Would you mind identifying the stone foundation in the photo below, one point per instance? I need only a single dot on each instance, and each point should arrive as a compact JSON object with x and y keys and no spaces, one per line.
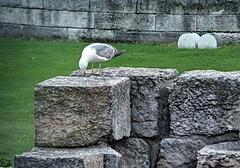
{"x":176,"y":120}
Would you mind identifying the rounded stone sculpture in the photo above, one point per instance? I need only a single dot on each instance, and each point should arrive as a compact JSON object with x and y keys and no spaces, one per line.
{"x":209,"y":41}
{"x":188,"y":40}
{"x":223,"y":155}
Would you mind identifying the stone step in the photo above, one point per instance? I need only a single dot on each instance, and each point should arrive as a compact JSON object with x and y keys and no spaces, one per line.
{"x":74,"y":112}
{"x":91,"y":157}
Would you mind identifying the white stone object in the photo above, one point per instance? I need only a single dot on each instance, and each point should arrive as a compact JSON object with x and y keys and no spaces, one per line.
{"x":188,"y":40}
{"x":209,"y":41}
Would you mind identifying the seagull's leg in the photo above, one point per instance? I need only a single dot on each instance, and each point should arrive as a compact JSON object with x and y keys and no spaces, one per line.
{"x":84,"y":73}
{"x":99,"y":66}
{"x":92,"y":67}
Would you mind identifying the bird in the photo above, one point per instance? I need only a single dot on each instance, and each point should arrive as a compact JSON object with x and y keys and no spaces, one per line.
{"x":97,"y":52}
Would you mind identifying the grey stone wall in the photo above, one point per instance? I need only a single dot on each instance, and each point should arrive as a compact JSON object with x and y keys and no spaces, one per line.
{"x":118,"y":20}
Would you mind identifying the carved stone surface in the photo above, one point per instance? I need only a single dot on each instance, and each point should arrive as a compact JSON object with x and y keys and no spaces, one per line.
{"x":72,"y":112}
{"x":135,"y":152}
{"x":188,"y":40}
{"x":149,"y":97}
{"x":176,"y":153}
{"x":97,"y":157}
{"x":226,"y":155}
{"x":205,"y":103}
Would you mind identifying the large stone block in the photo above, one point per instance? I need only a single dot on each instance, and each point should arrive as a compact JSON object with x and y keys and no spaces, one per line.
{"x":149,"y":97}
{"x":22,"y":3}
{"x":135,"y":152}
{"x":53,"y":19}
{"x":218,"y":23}
{"x":120,"y":6}
{"x":92,"y":157}
{"x":205,"y":103}
{"x":12,"y":30}
{"x":72,"y":111}
{"x":124,"y":21}
{"x":176,"y":23}
{"x":72,"y":5}
{"x":176,"y":153}
{"x":225,"y":155}
{"x":219,"y":7}
{"x":122,"y":35}
{"x":152,"y":6}
{"x":177,"y":7}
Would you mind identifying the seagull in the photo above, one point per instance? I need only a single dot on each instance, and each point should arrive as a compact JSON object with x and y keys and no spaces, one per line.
{"x":97,"y":52}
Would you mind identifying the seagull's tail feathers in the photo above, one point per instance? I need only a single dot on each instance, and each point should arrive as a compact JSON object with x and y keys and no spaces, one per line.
{"x":119,"y":52}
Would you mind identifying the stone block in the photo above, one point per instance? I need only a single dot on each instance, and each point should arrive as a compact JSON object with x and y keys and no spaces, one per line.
{"x":149,"y":97}
{"x":72,"y":112}
{"x":135,"y":152}
{"x":22,"y":3}
{"x":121,"y":35}
{"x":12,"y":30}
{"x":219,"y":7}
{"x":205,"y":103}
{"x":176,"y":23}
{"x":97,"y":157}
{"x":119,"y":6}
{"x":179,"y":153}
{"x":226,"y":155}
{"x":218,"y":23}
{"x":177,"y":7}
{"x":46,"y":18}
{"x":124,"y":21}
{"x":72,"y":5}
{"x":152,"y":6}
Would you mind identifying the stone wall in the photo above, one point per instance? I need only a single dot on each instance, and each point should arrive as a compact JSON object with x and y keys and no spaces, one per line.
{"x":118,"y":20}
{"x":137,"y":117}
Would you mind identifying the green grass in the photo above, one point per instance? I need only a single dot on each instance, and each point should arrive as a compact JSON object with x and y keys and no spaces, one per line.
{"x":24,"y":63}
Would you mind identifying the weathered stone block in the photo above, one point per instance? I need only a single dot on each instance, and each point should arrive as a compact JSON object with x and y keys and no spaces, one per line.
{"x":97,"y":157}
{"x":149,"y":97}
{"x":176,"y":23}
{"x":177,"y":6}
{"x":22,"y":3}
{"x":72,"y":5}
{"x":152,"y":6}
{"x":219,"y":7}
{"x":72,"y":112}
{"x":205,"y":103}
{"x":218,"y":23}
{"x":179,"y":153}
{"x":11,"y":30}
{"x":122,"y":6}
{"x":135,"y":152}
{"x":124,"y":21}
{"x":226,"y":155}
{"x":46,"y":18}
{"x":122,"y":35}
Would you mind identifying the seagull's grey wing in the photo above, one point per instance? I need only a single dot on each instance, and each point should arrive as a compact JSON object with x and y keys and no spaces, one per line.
{"x":104,"y":50}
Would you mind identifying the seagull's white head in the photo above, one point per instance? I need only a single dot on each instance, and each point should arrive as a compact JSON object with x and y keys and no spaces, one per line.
{"x":83,"y":63}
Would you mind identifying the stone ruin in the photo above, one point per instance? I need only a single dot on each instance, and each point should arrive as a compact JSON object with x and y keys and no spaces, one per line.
{"x":137,"y":118}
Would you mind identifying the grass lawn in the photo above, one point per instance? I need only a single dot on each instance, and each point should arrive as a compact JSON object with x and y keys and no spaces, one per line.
{"x":24,"y":63}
